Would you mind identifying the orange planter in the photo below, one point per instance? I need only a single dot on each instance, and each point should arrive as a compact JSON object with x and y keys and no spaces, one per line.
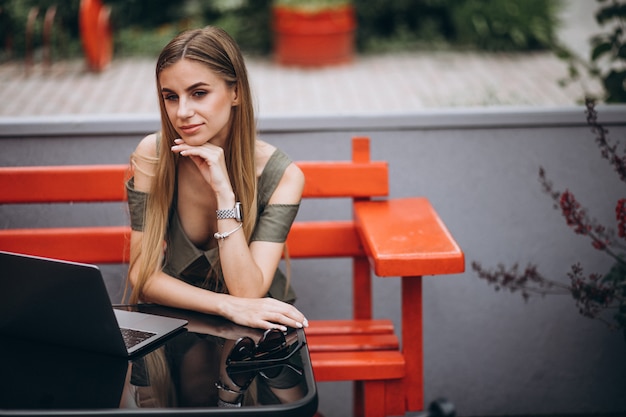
{"x":313,"y":38}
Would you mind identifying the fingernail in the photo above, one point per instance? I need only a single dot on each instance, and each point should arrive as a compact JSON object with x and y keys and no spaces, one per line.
{"x":305,"y":323}
{"x":299,"y":325}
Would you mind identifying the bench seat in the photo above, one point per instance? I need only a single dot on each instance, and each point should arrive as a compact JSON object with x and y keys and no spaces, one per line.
{"x":358,"y":365}
{"x":328,"y":327}
{"x":352,"y":342}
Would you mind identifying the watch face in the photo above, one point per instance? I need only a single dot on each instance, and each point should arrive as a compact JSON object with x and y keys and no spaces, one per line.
{"x":238,"y":212}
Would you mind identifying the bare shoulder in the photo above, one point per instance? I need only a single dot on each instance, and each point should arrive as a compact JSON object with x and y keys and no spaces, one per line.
{"x":147,"y":147}
{"x":291,"y":185}
{"x":144,"y":161}
{"x":262,"y":153}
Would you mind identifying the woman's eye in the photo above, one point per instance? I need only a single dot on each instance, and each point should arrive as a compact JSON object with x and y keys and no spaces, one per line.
{"x":170,"y":97}
{"x":200,"y":93}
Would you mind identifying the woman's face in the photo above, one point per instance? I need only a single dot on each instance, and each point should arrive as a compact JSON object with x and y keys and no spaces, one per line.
{"x":198,"y":102}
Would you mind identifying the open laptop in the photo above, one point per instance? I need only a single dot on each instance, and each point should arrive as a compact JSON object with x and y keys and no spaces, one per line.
{"x":66,"y":303}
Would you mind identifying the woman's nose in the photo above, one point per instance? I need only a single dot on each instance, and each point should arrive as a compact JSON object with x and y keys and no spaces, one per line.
{"x":185,"y":110}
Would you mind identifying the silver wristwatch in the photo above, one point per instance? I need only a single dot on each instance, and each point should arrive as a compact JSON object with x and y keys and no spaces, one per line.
{"x":233,"y":213}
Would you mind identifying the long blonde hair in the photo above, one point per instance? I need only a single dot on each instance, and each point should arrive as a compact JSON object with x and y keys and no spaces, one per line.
{"x":214,"y":48}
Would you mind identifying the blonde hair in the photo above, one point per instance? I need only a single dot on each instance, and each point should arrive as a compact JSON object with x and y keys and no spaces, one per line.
{"x":214,"y":48}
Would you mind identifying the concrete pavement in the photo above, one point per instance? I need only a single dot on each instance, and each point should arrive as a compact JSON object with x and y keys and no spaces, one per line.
{"x":392,"y":83}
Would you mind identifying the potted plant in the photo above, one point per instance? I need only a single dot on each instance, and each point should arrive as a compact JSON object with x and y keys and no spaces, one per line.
{"x":313,"y":32}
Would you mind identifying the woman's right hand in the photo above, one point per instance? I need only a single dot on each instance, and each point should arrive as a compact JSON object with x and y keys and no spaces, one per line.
{"x":263,"y":313}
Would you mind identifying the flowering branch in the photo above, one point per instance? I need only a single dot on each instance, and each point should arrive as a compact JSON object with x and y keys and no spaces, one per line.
{"x":595,"y":294}
{"x":576,"y":217}
{"x":606,"y":150}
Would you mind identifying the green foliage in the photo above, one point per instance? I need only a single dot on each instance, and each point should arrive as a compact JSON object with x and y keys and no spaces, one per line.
{"x":402,"y":24}
{"x":247,"y":21}
{"x":505,"y":25}
{"x":607,"y":60}
{"x":13,"y":18}
{"x":144,"y":14}
{"x":249,"y":24}
{"x":134,"y":41}
{"x":142,"y":28}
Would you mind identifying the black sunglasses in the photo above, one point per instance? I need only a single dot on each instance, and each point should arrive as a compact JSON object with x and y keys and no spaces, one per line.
{"x":273,"y":347}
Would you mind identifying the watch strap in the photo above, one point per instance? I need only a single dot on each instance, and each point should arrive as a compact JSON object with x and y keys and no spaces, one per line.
{"x":233,"y":213}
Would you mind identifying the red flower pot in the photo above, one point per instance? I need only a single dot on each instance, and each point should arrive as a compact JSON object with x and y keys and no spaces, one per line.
{"x":317,"y":38}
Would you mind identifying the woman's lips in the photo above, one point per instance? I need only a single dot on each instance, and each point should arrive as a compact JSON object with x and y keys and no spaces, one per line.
{"x":190,"y":129}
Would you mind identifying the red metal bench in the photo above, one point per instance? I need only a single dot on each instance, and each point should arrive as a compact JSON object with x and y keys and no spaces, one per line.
{"x":392,"y":237}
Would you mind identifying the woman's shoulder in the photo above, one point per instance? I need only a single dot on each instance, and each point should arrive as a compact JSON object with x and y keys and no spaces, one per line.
{"x":262,"y":153}
{"x":147,"y":147}
{"x":144,"y":161}
{"x":287,"y":178}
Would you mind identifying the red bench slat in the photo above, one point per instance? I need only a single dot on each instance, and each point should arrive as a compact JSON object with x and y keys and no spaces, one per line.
{"x":56,"y":184}
{"x":95,"y":245}
{"x":345,"y":179}
{"x":361,"y":365}
{"x":321,"y":327}
{"x":92,"y":183}
{"x":109,"y":244}
{"x":352,"y":342}
{"x":324,"y":239}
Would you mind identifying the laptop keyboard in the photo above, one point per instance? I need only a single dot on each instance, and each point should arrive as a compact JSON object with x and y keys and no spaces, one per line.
{"x":133,"y":337}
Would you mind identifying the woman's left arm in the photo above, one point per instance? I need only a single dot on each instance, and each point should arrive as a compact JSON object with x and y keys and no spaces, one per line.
{"x":238,"y":271}
{"x":248,"y":270}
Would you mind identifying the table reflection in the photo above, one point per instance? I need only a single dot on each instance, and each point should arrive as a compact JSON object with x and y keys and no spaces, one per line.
{"x":191,"y":371}
{"x":207,"y":366}
{"x":45,"y":377}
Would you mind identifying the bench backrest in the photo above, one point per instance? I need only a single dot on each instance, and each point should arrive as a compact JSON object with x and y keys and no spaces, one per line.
{"x":357,"y":179}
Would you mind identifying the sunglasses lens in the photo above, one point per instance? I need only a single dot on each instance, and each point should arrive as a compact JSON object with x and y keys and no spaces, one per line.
{"x":273,"y":341}
{"x":243,"y":349}
{"x":241,"y":379}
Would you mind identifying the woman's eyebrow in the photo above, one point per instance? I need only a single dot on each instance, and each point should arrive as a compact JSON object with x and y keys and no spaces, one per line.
{"x":190,"y":88}
{"x":196,"y":85}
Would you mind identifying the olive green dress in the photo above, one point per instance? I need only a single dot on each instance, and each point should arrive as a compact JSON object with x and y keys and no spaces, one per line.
{"x":185,"y":261}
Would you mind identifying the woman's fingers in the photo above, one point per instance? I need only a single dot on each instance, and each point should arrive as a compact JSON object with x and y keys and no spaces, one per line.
{"x":285,"y":314}
{"x":210,"y":161}
{"x":210,"y":153}
{"x":267,"y":313}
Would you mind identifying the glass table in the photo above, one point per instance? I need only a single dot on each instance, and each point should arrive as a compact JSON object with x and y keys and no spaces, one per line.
{"x":213,"y":367}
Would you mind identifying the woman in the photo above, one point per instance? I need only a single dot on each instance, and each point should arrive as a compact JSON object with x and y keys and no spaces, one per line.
{"x":211,"y":205}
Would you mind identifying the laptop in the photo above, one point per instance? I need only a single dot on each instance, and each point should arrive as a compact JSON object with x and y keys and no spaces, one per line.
{"x":66,"y":303}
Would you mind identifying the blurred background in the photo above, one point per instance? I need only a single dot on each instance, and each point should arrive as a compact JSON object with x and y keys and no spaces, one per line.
{"x":564,"y":49}
{"x":142,"y":28}
{"x":465,"y":99}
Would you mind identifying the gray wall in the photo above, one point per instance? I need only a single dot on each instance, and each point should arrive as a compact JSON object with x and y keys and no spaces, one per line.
{"x":490,"y":353}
